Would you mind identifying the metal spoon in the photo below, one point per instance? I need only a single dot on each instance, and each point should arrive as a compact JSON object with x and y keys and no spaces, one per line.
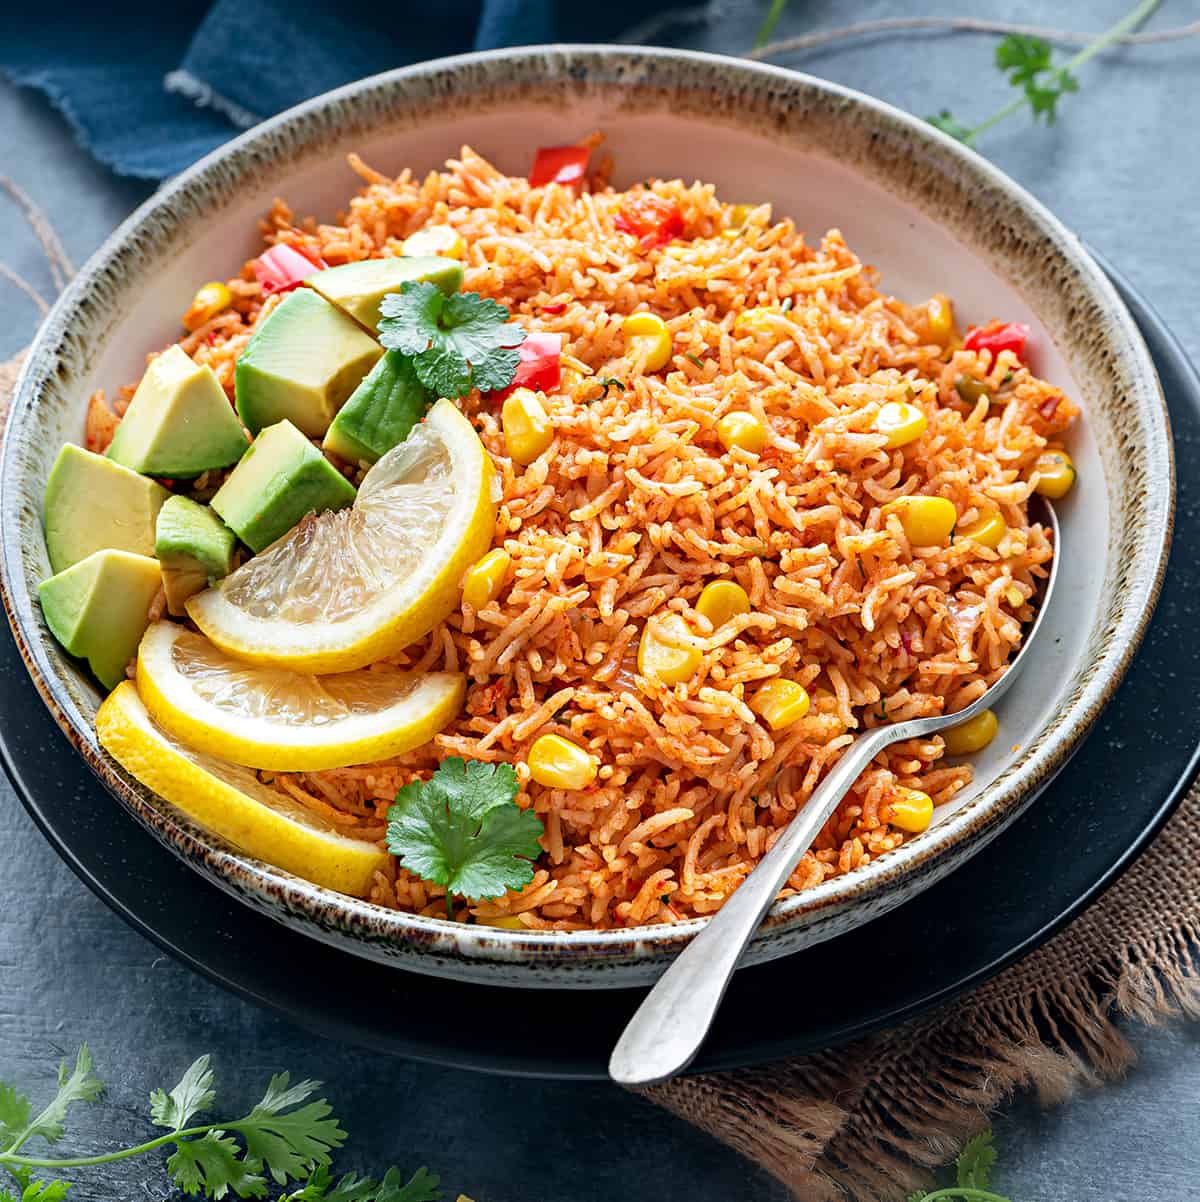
{"x":669,"y":1026}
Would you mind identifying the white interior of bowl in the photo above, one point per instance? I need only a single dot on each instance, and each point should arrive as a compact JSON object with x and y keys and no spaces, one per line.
{"x":914,"y":253}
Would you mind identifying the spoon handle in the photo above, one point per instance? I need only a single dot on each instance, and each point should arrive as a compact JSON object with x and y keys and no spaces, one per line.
{"x":670,"y":1025}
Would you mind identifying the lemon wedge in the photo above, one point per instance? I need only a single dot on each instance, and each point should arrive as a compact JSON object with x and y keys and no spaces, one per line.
{"x":344,"y":589}
{"x":290,"y":721}
{"x":232,"y":802}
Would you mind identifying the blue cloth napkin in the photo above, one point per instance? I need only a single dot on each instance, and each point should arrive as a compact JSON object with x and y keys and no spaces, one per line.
{"x":149,"y":87}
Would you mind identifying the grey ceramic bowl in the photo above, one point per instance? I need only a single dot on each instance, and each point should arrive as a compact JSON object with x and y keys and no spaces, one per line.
{"x":931,"y":214}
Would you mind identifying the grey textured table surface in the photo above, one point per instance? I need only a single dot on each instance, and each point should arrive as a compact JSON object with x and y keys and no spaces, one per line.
{"x":1121,"y":168}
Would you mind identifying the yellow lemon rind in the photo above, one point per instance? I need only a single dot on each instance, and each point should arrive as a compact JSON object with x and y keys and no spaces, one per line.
{"x":324,"y":857}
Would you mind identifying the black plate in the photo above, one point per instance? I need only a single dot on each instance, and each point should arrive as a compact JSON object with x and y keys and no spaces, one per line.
{"x":1079,"y":836}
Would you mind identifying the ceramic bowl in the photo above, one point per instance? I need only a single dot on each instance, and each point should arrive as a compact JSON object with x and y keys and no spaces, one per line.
{"x":932,"y":215}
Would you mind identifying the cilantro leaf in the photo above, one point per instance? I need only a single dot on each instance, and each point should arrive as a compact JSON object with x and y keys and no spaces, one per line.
{"x":1029,"y":64}
{"x":290,"y":1144}
{"x":949,"y":124}
{"x":15,"y":1112}
{"x":79,"y":1084}
{"x":1022,"y":57}
{"x":974,"y":1164}
{"x":193,"y":1094}
{"x":463,"y":829}
{"x":212,"y":1166}
{"x":456,"y":342}
{"x":44,"y":1191}
{"x":420,"y":1187}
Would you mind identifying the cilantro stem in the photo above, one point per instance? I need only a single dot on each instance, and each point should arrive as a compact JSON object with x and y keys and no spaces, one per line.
{"x":769,"y":22}
{"x":965,"y":1192}
{"x":1125,"y":25}
{"x":37,"y":1162}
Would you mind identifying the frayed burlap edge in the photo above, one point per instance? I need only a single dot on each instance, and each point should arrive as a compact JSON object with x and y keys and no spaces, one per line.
{"x":867,"y":1121}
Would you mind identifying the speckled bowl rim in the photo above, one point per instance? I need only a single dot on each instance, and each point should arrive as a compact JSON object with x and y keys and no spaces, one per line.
{"x":322,"y":120}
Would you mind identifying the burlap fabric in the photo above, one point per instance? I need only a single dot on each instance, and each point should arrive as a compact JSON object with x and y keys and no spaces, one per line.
{"x":868,"y":1120}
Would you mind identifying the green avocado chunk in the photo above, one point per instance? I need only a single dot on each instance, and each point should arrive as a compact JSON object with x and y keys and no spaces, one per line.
{"x":194,"y":547}
{"x":99,"y":609}
{"x":380,"y":412}
{"x":281,"y":478}
{"x":304,"y":360}
{"x":359,"y":288}
{"x":180,"y":422}
{"x":93,"y":503}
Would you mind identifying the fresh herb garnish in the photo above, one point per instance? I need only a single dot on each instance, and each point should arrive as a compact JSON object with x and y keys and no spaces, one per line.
{"x":463,"y":829}
{"x":285,"y":1138}
{"x":972,"y":1175}
{"x":861,"y":570}
{"x":882,"y":709}
{"x":456,"y":342}
{"x":605,"y":384}
{"x":1029,"y":65}
{"x":694,"y":358}
{"x":953,"y":531}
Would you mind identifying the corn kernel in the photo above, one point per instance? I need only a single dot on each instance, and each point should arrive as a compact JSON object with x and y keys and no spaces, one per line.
{"x":722,"y":600}
{"x":901,"y":422}
{"x":987,"y":530}
{"x":443,"y":240}
{"x":912,"y":811}
{"x":649,"y":339}
{"x":484,"y":581}
{"x":927,"y":521}
{"x":971,"y":736}
{"x":506,"y":922}
{"x":739,"y":214}
{"x":1014,"y":596}
{"x":558,"y":763}
{"x":528,"y":430}
{"x":755,"y":321}
{"x":1055,"y":473}
{"x":210,"y":299}
{"x":663,"y":658}
{"x":743,"y":430}
{"x":780,"y":703}
{"x":940,"y":320}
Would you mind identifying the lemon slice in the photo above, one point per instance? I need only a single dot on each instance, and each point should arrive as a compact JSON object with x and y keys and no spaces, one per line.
{"x":344,"y":589}
{"x":232,"y":802}
{"x":291,"y":721}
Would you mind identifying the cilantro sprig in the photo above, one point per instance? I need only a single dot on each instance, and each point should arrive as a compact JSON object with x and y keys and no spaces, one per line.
{"x":1028,"y":63}
{"x":287,"y":1138}
{"x":456,"y":342}
{"x":972,"y":1175}
{"x":463,"y":829}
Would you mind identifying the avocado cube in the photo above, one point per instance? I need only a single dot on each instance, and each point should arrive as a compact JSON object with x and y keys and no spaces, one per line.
{"x":304,"y":360}
{"x":380,"y":412}
{"x":93,"y":503}
{"x":280,"y":479}
{"x":180,"y":422}
{"x":98,"y":609}
{"x":194,"y":548}
{"x":359,"y":288}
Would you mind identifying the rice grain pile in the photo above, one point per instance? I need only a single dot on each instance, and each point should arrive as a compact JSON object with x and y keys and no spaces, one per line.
{"x":637,"y":505}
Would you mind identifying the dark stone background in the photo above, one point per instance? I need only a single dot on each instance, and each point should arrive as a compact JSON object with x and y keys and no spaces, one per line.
{"x":1122,"y":169}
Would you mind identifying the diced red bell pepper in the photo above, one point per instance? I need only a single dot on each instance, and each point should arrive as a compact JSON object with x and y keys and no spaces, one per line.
{"x":540,"y":367}
{"x":998,"y":336}
{"x":556,"y":308}
{"x":559,"y":165}
{"x":282,"y":268}
{"x":651,"y":219}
